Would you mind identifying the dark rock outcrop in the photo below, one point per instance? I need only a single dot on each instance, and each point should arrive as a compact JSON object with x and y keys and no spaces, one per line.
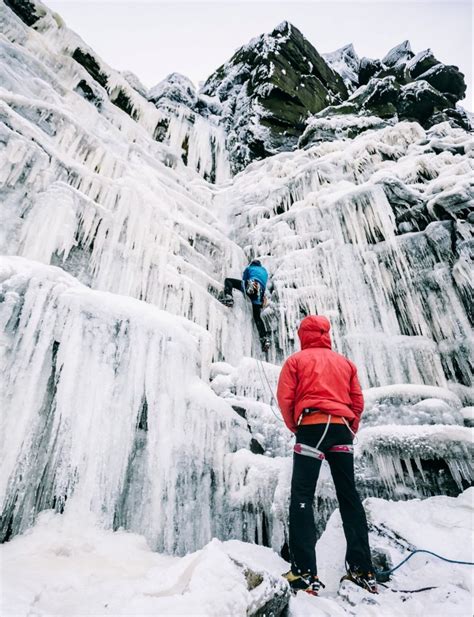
{"x":268,"y":88}
{"x":456,"y":117}
{"x":418,"y":101}
{"x":367,"y":69}
{"x":420,"y":63}
{"x":28,"y":12}
{"x":446,"y":79}
{"x":92,"y":66}
{"x":401,"y":86}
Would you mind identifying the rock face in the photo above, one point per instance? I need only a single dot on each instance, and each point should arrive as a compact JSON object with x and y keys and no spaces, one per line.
{"x":268,"y":89}
{"x":401,"y":86}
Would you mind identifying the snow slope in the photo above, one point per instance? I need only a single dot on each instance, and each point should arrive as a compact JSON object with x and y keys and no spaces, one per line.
{"x":69,"y":565}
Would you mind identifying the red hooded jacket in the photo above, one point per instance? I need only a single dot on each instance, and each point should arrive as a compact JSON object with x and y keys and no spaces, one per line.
{"x":318,"y":377}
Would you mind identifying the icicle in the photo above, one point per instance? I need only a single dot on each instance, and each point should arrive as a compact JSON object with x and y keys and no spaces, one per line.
{"x":460,"y":470}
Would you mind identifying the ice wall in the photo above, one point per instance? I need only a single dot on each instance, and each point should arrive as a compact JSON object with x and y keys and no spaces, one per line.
{"x":108,"y":411}
{"x":113,"y":320}
{"x":49,"y":62}
{"x":373,"y":233}
{"x":99,"y":197}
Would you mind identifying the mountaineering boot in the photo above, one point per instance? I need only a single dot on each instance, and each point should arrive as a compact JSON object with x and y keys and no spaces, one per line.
{"x":366,"y":580}
{"x":309,"y":583}
{"x":265,"y":343}
{"x":226,"y":300}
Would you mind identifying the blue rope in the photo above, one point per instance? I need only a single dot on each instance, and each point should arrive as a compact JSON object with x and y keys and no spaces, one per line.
{"x":421,"y":550}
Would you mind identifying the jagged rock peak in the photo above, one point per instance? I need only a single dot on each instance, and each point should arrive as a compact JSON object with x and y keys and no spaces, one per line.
{"x":175,"y":87}
{"x":398,"y":55}
{"x":270,"y":41}
{"x":346,"y":62}
{"x":268,"y":88}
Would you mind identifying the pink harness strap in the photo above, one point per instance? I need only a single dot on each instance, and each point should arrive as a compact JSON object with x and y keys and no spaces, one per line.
{"x":343,"y":448}
{"x":301,"y":448}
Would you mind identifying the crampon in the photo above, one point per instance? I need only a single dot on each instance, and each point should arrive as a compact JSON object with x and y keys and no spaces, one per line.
{"x":308,"y":583}
{"x":366,"y":580}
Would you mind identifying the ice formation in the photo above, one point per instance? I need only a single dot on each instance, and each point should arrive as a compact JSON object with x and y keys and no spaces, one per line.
{"x":129,"y":391}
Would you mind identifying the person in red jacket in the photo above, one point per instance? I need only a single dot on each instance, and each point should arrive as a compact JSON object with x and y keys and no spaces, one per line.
{"x":321,"y":402}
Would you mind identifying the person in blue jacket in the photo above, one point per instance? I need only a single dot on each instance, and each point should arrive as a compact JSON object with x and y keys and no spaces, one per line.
{"x":253,"y":284}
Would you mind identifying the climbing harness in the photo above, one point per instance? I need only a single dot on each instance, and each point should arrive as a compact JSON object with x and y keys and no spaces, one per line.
{"x":301,"y":448}
{"x":349,"y":448}
{"x":253,"y":288}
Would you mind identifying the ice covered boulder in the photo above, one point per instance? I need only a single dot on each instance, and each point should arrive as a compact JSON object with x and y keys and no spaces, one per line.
{"x":191,"y":126}
{"x":135,"y":82}
{"x":411,"y":404}
{"x":367,"y":69}
{"x":324,"y":127}
{"x":267,"y":90}
{"x":407,"y":202}
{"x":378,"y":97}
{"x":433,"y":459}
{"x":175,"y":87}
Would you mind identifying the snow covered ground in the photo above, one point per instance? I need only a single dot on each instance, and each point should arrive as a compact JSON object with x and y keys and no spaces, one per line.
{"x":68,"y":565}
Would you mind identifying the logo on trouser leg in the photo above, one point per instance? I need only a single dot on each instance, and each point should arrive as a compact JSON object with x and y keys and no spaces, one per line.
{"x":302,"y":505}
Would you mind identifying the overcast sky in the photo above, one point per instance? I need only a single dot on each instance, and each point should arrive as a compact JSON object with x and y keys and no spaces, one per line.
{"x":154,"y":38}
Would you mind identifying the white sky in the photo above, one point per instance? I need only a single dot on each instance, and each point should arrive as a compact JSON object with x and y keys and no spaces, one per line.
{"x":154,"y":38}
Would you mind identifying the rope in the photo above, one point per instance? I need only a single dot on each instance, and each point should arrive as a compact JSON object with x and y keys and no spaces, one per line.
{"x":421,"y":550}
{"x":354,"y":437}
{"x":407,"y":590}
{"x":325,"y":431}
{"x":261,"y":370}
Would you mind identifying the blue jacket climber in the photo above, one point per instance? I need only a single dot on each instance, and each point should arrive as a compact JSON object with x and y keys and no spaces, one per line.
{"x":253,"y":285}
{"x":255,"y":272}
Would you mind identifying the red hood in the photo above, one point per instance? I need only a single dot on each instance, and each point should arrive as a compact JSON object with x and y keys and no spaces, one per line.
{"x":314,"y":332}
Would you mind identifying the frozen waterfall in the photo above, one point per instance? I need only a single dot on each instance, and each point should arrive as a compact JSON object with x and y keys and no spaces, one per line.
{"x":130,"y":394}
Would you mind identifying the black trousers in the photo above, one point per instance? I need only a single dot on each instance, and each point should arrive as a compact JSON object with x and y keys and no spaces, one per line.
{"x":303,"y":484}
{"x":229,"y":285}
